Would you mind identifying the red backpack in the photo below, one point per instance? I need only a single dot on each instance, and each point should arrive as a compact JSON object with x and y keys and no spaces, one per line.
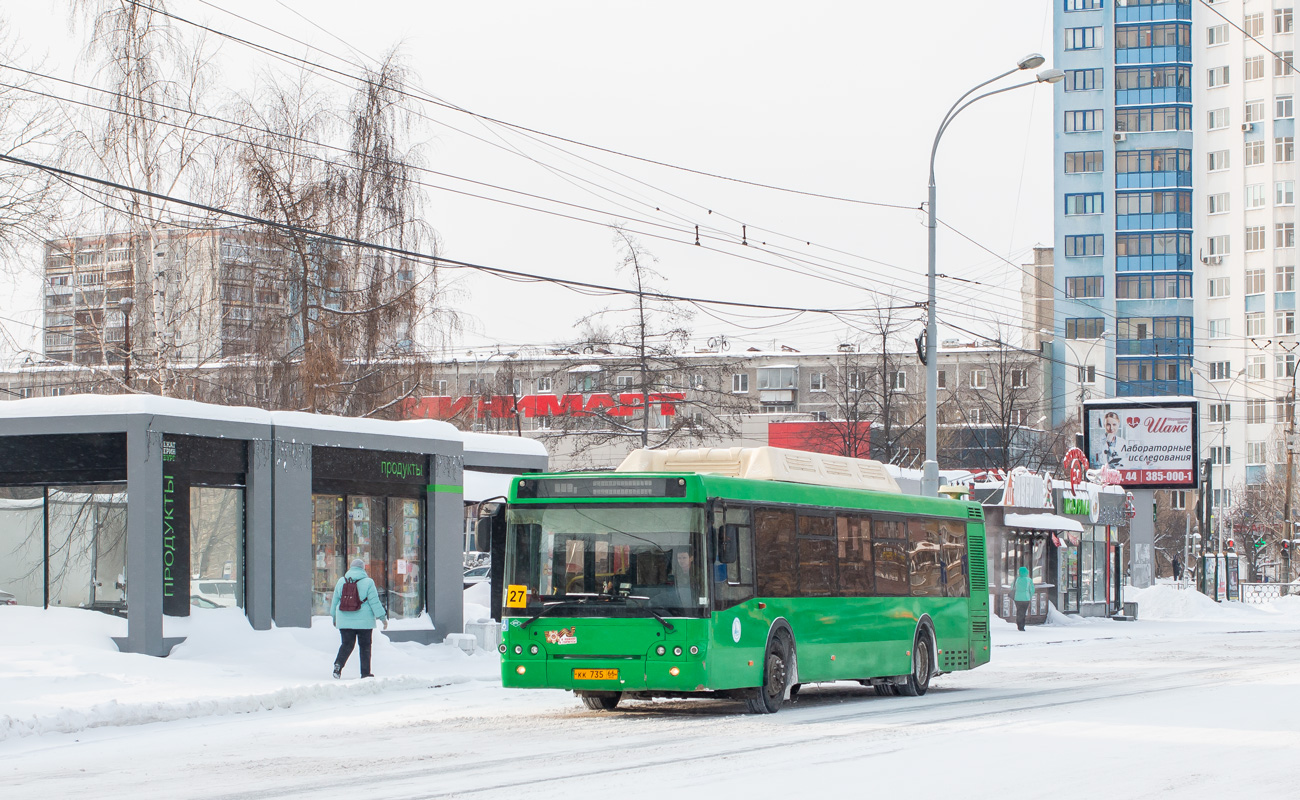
{"x":349,"y":600}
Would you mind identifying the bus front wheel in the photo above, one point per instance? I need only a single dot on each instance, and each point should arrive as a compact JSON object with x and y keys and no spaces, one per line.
{"x":767,"y":699}
{"x":919,"y":681}
{"x":601,"y":701}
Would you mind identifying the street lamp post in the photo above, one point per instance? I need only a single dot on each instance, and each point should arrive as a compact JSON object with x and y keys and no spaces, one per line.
{"x":126,"y":305}
{"x":1223,"y":449}
{"x":930,"y":479}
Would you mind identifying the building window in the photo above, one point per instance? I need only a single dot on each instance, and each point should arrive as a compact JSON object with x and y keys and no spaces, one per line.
{"x":1282,"y":22}
{"x":1284,"y":234}
{"x":1087,"y":374}
{"x":778,"y":378}
{"x":857,"y":381}
{"x":1083,"y":204}
{"x":817,"y":382}
{"x":1147,"y":244}
{"x":1255,"y":197}
{"x":1216,"y":76}
{"x":1178,"y":501}
{"x":543,"y":422}
{"x":697,"y":382}
{"x":1255,"y":279}
{"x":1218,"y":118}
{"x":1256,"y":452}
{"x":1019,"y":378}
{"x":1152,"y":287}
{"x":1079,"y":246}
{"x":979,"y":379}
{"x":898,"y":381}
{"x":1253,"y":24}
{"x":1085,"y":328}
{"x":1284,"y":107}
{"x":1284,"y":278}
{"x":1220,"y":456}
{"x":1083,"y":161}
{"x":1256,"y":238}
{"x":1255,"y":327}
{"x":1161,"y":34}
{"x":1255,"y":152}
{"x":1220,"y":370}
{"x":1218,"y":245}
{"x":1217,"y":203}
{"x":1160,"y":118}
{"x":941,"y":379}
{"x":1220,"y":412}
{"x":1254,"y":68}
{"x":1157,"y":202}
{"x":544,"y":384}
{"x":1284,"y":149}
{"x":1256,"y":411}
{"x":1082,"y":80}
{"x":1082,"y":5}
{"x":623,"y":381}
{"x":1284,"y":193}
{"x":1254,"y":111}
{"x":1089,"y":286}
{"x":1284,"y":365}
{"x":1220,"y":287}
{"x":740,"y":382}
{"x":1216,"y":34}
{"x":1218,"y":328}
{"x":1284,"y":323}
{"x":1256,"y":369}
{"x":1218,"y":160}
{"x":1081,"y":121}
{"x":1284,"y":63}
{"x":1283,"y":408}
{"x":1163,"y":160}
{"x":1082,"y":38}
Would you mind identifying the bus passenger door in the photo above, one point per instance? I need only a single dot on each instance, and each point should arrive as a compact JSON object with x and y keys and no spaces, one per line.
{"x":738,"y":631}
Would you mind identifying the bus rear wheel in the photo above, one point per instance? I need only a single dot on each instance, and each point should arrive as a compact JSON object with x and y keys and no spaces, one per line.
{"x":919,"y":681}
{"x":886,"y":689}
{"x":767,"y":699}
{"x":601,"y":701}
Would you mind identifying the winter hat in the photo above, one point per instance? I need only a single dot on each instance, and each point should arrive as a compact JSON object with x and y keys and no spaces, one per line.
{"x":358,"y":564}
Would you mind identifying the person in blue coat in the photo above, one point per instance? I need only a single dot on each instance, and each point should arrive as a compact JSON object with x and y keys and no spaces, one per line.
{"x":1024,"y":593}
{"x":357,"y":626}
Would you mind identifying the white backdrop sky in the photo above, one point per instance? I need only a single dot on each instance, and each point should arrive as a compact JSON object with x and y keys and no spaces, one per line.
{"x":840,"y":98}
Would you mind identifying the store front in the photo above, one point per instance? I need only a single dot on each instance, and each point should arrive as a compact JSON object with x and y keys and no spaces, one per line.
{"x":1088,"y":557}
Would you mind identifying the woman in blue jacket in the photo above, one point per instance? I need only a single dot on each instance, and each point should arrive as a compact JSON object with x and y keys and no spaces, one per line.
{"x":1024,"y":593}
{"x":357,"y":626}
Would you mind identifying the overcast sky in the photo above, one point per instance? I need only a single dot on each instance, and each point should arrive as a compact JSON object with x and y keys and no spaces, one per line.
{"x":837,"y":98}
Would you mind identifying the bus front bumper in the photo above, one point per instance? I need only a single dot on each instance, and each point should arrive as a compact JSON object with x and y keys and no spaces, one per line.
{"x":605,"y":674}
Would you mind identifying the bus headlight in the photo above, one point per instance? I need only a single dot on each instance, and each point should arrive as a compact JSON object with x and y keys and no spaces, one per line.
{"x":520,"y":669}
{"x":695,"y":651}
{"x":674,"y":672}
{"x":519,"y":650}
{"x":533,"y":649}
{"x":502,"y":648}
{"x":660,"y":650}
{"x":677,"y":651}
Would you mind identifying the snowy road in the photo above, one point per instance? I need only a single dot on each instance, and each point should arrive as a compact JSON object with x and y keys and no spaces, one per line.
{"x":1118,"y":710}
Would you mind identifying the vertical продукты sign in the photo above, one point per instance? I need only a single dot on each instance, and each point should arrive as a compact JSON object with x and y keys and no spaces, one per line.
{"x":1151,"y":442}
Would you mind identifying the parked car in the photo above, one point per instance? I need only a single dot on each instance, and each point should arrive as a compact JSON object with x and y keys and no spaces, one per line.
{"x":218,"y":591}
{"x":7,"y":599}
{"x":199,"y":601}
{"x":477,"y":575}
{"x":476,"y":558}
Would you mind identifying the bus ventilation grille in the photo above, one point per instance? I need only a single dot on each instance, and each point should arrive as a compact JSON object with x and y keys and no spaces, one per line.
{"x":955,"y":659}
{"x":979,"y":628}
{"x":979,"y":579}
{"x":975,"y":512}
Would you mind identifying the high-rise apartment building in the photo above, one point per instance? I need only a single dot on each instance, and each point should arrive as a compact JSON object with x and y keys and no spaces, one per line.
{"x":1175,"y":215}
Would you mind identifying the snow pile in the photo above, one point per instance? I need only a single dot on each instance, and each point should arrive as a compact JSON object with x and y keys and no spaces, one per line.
{"x":1057,"y":619}
{"x":1164,"y":602}
{"x":478,"y":602}
{"x":61,"y":672}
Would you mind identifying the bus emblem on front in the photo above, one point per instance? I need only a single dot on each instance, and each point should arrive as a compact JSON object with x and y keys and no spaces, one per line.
{"x":562,"y":636}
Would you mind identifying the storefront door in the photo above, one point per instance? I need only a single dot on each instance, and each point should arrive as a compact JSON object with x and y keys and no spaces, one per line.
{"x":385,"y":533}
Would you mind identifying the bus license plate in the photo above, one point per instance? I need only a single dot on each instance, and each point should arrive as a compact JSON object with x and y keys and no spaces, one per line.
{"x":595,"y":674}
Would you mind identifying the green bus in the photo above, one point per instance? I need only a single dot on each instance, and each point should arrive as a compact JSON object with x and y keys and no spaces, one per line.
{"x":667,"y":579}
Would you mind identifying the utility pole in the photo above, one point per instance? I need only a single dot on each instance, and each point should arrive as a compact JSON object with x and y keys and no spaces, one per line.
{"x":1287,"y":528}
{"x":126,"y":303}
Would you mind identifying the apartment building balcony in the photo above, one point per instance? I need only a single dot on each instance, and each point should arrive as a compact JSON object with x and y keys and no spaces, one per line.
{"x":1158,"y":94}
{"x":1153,"y":347}
{"x":1153,"y":222}
{"x":1146,"y":388}
{"x":1153,"y":180}
{"x":1153,"y":55}
{"x":1155,"y":12}
{"x":1165,"y":262}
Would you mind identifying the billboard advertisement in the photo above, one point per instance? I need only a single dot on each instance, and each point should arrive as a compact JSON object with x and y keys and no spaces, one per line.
{"x":1152,"y":443}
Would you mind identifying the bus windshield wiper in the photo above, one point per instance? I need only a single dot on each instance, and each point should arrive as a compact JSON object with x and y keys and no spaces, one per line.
{"x":552,"y":607}
{"x":582,"y":601}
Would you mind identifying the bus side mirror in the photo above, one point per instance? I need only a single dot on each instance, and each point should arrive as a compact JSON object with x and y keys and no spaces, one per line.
{"x":728,"y":535}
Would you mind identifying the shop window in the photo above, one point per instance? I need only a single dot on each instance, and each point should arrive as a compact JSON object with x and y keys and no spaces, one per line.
{"x":216,"y":546}
{"x":405,"y":562}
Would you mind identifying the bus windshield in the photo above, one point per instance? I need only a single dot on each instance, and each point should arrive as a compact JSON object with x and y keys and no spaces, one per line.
{"x":616,"y":560}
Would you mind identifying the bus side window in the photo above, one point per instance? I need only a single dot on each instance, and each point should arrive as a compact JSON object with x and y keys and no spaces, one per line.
{"x":889,"y":556}
{"x":734,"y":581}
{"x":857,"y":575}
{"x":925,"y":575}
{"x":956,"y":569}
{"x":775,"y":537}
{"x":816,"y":549}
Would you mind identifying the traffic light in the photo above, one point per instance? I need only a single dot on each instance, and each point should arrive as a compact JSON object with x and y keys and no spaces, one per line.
{"x":1230,"y":544}
{"x":1286,"y":549}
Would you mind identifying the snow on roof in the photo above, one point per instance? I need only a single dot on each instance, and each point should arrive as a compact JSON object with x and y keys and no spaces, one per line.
{"x":421,"y":428}
{"x":497,"y":443}
{"x":1141,"y":401}
{"x":89,"y":405}
{"x":1042,"y":522}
